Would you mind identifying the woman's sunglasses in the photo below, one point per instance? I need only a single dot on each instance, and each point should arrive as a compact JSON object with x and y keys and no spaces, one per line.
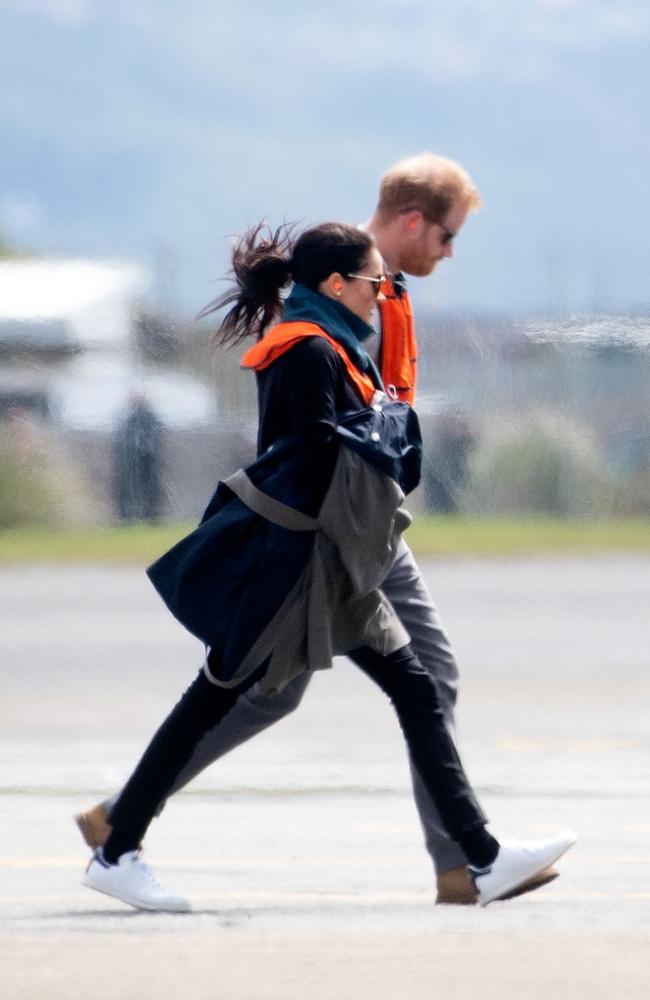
{"x":376,"y":282}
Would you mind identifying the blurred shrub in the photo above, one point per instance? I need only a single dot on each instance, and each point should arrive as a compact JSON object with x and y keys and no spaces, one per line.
{"x":37,"y":487}
{"x":634,"y":499}
{"x":27,"y":496}
{"x":539,"y":464}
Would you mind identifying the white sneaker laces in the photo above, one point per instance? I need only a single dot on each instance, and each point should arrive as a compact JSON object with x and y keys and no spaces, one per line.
{"x":148,"y":874}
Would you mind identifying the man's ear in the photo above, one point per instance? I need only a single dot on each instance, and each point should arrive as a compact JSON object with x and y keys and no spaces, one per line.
{"x":412,"y":220}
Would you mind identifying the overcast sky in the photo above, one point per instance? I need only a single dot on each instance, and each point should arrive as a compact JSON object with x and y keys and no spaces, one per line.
{"x":152,"y":129}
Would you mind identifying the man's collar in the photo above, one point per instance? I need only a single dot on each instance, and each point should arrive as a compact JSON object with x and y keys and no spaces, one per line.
{"x":398,"y":283}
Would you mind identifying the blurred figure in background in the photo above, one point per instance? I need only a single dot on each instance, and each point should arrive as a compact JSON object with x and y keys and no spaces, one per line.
{"x":447,"y":470}
{"x":137,"y":462}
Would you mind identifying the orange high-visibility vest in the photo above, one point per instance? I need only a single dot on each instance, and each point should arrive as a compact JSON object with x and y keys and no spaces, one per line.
{"x":398,"y":353}
{"x":283,"y":336}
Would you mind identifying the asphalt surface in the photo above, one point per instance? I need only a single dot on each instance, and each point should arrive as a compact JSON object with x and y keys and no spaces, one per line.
{"x":302,"y":852}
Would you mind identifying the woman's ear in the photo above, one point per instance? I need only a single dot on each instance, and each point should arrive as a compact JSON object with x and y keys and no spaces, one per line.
{"x":332,"y":286}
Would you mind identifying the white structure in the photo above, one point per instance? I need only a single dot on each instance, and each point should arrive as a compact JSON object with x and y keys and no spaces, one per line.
{"x":75,"y":318}
{"x":68,"y":305}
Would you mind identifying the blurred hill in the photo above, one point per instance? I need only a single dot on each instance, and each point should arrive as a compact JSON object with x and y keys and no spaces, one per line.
{"x":153,"y":130}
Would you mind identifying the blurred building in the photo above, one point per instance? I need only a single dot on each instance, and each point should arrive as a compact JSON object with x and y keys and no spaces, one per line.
{"x":68,"y":347}
{"x":76,"y":348}
{"x":70,"y":357}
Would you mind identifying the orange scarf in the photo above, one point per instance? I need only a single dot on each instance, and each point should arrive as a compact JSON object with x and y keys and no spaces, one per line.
{"x":282,"y":337}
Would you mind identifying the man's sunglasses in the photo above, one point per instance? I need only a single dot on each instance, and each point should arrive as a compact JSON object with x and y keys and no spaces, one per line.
{"x":448,"y":236}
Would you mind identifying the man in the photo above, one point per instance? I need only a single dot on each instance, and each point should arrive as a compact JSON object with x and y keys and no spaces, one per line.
{"x":423,"y":202}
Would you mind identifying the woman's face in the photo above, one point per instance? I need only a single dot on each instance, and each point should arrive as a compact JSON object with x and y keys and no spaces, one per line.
{"x":357,"y":292}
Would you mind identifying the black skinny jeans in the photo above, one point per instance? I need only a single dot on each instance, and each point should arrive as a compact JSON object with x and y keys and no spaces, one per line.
{"x":400,"y":676}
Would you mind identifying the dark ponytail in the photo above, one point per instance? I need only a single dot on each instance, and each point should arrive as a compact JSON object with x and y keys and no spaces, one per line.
{"x":265,"y":262}
{"x":261,"y":268}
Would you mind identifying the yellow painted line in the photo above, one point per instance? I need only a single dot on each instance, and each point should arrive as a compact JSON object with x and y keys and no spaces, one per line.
{"x":69,"y":897}
{"x":221,"y":863}
{"x":414,"y":897}
{"x":270,"y":864}
{"x":239,"y":901}
{"x":516,"y":744}
{"x":41,"y":862}
{"x":559,"y":894}
{"x":249,"y":899}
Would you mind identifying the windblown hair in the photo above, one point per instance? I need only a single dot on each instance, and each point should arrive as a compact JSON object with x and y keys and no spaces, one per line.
{"x":429,"y":183}
{"x":264,"y":263}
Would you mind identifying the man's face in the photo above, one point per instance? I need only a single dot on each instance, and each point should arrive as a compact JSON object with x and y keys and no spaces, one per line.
{"x":425,"y":243}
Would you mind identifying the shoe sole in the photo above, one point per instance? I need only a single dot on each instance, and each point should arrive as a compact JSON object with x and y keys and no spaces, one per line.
{"x":123,"y":898}
{"x":519,"y":887}
{"x":470,"y":897}
{"x":467,"y":898}
{"x":536,"y":882}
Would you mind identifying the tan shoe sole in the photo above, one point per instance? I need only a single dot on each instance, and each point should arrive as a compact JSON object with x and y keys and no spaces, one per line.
{"x":536,"y":882}
{"x":94,"y":826}
{"x":456,"y":888}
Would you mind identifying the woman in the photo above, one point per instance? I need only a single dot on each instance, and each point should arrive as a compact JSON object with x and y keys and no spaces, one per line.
{"x":284,"y":570}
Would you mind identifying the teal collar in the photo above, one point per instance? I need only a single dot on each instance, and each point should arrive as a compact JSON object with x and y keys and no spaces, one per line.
{"x":334,"y":318}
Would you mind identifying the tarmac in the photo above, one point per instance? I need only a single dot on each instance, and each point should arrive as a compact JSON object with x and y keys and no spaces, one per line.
{"x":302,"y":852}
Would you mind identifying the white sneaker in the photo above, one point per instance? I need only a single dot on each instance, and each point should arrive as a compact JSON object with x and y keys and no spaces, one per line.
{"x":132,"y":881}
{"x":517,"y":862}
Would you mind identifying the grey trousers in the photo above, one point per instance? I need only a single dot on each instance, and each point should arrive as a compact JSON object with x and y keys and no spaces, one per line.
{"x":253,"y":712}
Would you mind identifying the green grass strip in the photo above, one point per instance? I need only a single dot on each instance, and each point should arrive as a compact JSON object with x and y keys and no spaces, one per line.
{"x":139,"y":545}
{"x":136,"y":545}
{"x":459,"y":536}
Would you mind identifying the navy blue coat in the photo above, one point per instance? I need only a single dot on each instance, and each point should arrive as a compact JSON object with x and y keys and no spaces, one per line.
{"x":227,"y":579}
